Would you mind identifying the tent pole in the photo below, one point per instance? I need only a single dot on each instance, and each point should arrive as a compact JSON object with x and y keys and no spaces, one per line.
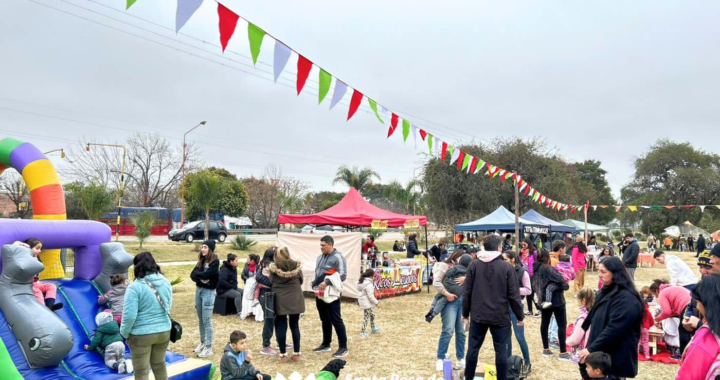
{"x":517,"y":213}
{"x":427,"y":258}
{"x":587,"y":206}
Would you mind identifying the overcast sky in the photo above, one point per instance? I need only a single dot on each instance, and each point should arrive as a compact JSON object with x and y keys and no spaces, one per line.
{"x":599,"y":80}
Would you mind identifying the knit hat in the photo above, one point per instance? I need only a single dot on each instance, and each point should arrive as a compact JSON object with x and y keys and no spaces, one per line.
{"x":465,"y":260}
{"x":716,"y":250}
{"x":103,"y":318}
{"x":704,"y":258}
{"x":210,"y":244}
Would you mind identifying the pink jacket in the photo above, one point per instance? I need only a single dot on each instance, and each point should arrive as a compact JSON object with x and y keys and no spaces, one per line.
{"x":699,"y":356}
{"x":673,"y":300}
{"x":528,"y":259}
{"x":579,"y":261}
{"x":579,"y":336}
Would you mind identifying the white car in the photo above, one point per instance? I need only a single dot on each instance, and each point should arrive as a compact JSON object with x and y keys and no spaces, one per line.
{"x":324,"y":229}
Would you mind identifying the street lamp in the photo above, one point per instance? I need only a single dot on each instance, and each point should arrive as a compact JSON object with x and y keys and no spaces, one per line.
{"x":62,"y":152}
{"x":182,"y":191}
{"x":122,"y":184}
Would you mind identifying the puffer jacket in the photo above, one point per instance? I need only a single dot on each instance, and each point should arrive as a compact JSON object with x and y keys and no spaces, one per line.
{"x":227,"y":279}
{"x":116,"y":297}
{"x":366,"y":294}
{"x":412,"y":249}
{"x":234,"y":366}
{"x":287,"y":278}
{"x":105,"y":335}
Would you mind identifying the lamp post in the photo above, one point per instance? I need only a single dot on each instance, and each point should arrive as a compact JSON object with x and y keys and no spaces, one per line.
{"x":182,"y":190}
{"x":122,"y":184}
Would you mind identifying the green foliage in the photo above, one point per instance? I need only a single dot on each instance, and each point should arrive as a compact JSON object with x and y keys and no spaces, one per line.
{"x":320,"y":201}
{"x":591,"y":173}
{"x":602,"y":238}
{"x":375,"y":233}
{"x":143,"y":222}
{"x":92,"y":200}
{"x":204,"y":192}
{"x":242,"y":243}
{"x":617,"y":234}
{"x":408,"y":195}
{"x":354,"y":177}
{"x":176,"y":281}
{"x":233,"y":201}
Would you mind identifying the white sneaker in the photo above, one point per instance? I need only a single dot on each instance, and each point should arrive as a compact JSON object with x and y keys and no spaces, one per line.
{"x":546,"y":305}
{"x":200,"y":348}
{"x":121,"y":368}
{"x":439,"y":365}
{"x":205,"y":353}
{"x":128,"y":366}
{"x":460,"y":364}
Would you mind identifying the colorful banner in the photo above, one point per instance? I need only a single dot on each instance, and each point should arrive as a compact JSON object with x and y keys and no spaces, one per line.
{"x":392,"y":282}
{"x":412,"y":224}
{"x":379,"y":225}
{"x":634,"y":208}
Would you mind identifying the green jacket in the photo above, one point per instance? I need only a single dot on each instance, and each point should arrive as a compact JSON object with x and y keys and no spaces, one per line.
{"x":230,"y":367}
{"x":105,"y":335}
{"x":325,"y":375}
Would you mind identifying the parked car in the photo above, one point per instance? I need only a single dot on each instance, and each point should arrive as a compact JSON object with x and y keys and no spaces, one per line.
{"x":464,"y":246}
{"x":196,"y":231}
{"x":324,"y":229}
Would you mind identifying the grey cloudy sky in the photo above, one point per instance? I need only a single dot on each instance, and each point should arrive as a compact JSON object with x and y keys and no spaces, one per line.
{"x":598,"y":80}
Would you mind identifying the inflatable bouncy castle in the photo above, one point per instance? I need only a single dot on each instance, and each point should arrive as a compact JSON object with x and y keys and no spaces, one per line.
{"x":36,"y":343}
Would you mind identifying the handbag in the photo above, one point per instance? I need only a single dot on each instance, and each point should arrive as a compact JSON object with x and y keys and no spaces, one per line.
{"x":269,"y":305}
{"x":175,"y":326}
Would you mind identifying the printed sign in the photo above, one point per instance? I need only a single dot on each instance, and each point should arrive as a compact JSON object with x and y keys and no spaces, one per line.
{"x":536,"y":230}
{"x":412,"y":224}
{"x":390,"y":282}
{"x":379,"y":225}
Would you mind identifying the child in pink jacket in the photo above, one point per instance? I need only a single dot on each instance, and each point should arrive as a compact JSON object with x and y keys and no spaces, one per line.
{"x":44,"y":292}
{"x":578,"y":339}
{"x":697,"y":362}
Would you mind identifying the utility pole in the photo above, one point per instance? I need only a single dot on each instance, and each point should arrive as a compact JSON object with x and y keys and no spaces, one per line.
{"x":517,"y":211}
{"x":182,"y":189}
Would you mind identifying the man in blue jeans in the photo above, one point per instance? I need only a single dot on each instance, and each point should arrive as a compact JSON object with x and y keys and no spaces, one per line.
{"x":491,"y":290}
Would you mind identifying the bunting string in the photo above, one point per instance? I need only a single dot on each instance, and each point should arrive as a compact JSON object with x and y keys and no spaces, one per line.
{"x":634,"y":208}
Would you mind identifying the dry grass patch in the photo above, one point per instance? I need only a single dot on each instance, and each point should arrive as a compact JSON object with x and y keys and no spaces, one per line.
{"x":170,"y":251}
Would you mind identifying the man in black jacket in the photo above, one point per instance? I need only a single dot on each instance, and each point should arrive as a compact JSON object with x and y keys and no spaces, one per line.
{"x":491,"y":290}
{"x":630,"y":255}
{"x":701,"y":246}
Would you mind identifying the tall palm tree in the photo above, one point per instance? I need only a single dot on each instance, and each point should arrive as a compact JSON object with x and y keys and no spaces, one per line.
{"x":360,"y":179}
{"x":408,"y":195}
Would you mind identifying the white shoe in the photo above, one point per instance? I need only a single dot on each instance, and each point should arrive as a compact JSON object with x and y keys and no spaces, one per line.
{"x":121,"y":368}
{"x":200,"y":348}
{"x":439,"y":365}
{"x":546,"y":305}
{"x":205,"y":353}
{"x":460,"y":364}
{"x":129,"y":367}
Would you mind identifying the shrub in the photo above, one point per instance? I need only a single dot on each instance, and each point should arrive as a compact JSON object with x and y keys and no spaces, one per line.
{"x":242,"y":243}
{"x":617,"y":234}
{"x":602,"y":238}
{"x":143,"y":222}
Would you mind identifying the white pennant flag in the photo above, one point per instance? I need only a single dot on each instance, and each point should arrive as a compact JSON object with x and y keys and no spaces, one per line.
{"x":414,"y":132}
{"x":282,"y":55}
{"x":470,"y":158}
{"x":339,"y":93}
{"x":702,"y":208}
{"x":455,"y":155}
{"x":594,"y":208}
{"x":437,"y":146}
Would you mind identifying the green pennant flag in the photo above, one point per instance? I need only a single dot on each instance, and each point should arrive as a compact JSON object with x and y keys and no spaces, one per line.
{"x":466,"y":161}
{"x":373,"y":106}
{"x":450,"y":151}
{"x":130,"y":4}
{"x":656,"y":207}
{"x":406,"y":129}
{"x":325,"y":80}
{"x":430,"y":139}
{"x":255,"y":35}
{"x":480,"y":165}
{"x":536,"y":196}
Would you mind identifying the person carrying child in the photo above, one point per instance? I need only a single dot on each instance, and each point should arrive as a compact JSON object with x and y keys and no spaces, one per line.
{"x":565,"y":268}
{"x":578,"y":339}
{"x":450,"y":285}
{"x":235,"y":363}
{"x":116,"y":297}
{"x":107,"y":338}
{"x":44,"y":292}
{"x":367,"y":301}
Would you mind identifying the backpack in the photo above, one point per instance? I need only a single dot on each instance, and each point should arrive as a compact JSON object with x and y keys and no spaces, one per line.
{"x":515,"y":367}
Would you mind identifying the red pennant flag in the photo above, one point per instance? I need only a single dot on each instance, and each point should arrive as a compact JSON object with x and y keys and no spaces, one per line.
{"x":394,"y":124}
{"x":527,"y":189}
{"x":548,"y":201}
{"x":473,"y":165}
{"x":423,"y":134}
{"x":515,"y":176}
{"x":460,"y":159}
{"x":228,"y":22}
{"x":304,"y":66}
{"x":688,"y":207}
{"x":357,"y":97}
{"x":444,"y":151}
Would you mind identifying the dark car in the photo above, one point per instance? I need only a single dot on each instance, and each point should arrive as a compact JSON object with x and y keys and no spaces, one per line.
{"x":196,"y":231}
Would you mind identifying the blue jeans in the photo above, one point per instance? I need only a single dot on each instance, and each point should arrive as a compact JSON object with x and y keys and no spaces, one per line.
{"x":204,"y":302}
{"x":452,"y":323}
{"x":520,"y":336}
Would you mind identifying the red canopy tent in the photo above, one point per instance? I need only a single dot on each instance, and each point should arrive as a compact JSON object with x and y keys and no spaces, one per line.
{"x":352,"y":210}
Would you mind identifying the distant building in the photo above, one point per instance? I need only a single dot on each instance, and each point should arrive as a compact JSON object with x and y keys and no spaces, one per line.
{"x":7,"y":207}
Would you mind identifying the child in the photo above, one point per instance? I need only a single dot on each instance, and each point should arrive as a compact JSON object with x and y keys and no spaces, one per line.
{"x":450,"y":285}
{"x":565,"y":268}
{"x":598,"y":365}
{"x":250,"y":267}
{"x":107,"y":338}
{"x":235,"y":362}
{"x":578,"y":338}
{"x":386,"y":259}
{"x":647,"y":295}
{"x":647,"y":322}
{"x":116,"y":297}
{"x":367,"y":300}
{"x":44,"y":292}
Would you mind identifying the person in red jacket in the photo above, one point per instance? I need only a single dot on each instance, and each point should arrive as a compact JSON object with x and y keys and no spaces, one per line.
{"x":672,"y":300}
{"x":647,"y":323}
{"x":579,"y":263}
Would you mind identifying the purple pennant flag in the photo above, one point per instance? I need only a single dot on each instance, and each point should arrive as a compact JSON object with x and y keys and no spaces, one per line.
{"x":339,"y":93}
{"x":185,"y":10}
{"x":282,"y":55}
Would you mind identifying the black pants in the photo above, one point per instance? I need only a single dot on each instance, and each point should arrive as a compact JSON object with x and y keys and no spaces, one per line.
{"x":331,"y":316}
{"x":561,"y":319}
{"x":685,"y":336}
{"x":281,"y":325}
{"x":237,"y":296}
{"x":251,"y":377}
{"x":501,"y":338}
{"x":530,"y":301}
{"x":268,"y":327}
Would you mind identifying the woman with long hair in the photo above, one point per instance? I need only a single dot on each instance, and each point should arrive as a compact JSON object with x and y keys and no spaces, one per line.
{"x":528,"y":256}
{"x":545,"y":276}
{"x":262,"y":276}
{"x":616,"y":320}
{"x":206,"y":276}
{"x":525,"y":290}
{"x":703,"y":349}
{"x":145,"y":323}
{"x":579,"y":262}
{"x":287,"y":278}
{"x":451,"y":314}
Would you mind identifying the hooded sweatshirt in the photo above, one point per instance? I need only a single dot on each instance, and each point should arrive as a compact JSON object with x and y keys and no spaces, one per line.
{"x":454,"y":273}
{"x":105,"y":335}
{"x":491,"y":290}
{"x":234,"y":366}
{"x":366,"y":294}
{"x":116,"y":297}
{"x":673,"y":300}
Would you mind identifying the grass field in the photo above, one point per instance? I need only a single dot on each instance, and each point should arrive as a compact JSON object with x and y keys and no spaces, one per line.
{"x":406,"y":346}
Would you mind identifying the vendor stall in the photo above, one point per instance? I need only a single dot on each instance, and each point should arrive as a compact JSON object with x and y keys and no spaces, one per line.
{"x":557,"y":229}
{"x":504,"y":221}
{"x":403,"y":277}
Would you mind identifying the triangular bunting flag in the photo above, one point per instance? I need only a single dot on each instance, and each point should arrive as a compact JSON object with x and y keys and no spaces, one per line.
{"x":255,"y":36}
{"x":480,"y":165}
{"x":325,"y":79}
{"x":527,"y":188}
{"x":632,"y":208}
{"x":430,"y":142}
{"x":185,"y":10}
{"x":461,"y":159}
{"x":554,"y":204}
{"x":303,"y":66}
{"x":669,"y":207}
{"x":393,"y":125}
{"x":702,"y":208}
{"x":656,"y":207}
{"x":594,"y":208}
{"x":688,"y":207}
{"x":423,"y":134}
{"x":535,"y":196}
{"x":414,"y":133}
{"x":617,"y":208}
{"x":282,"y":55}
{"x":574,"y":208}
{"x":130,"y":4}
{"x":355,"y":101}
{"x":604,"y":206}
{"x":502,"y":174}
{"x":473,"y":165}
{"x":373,"y":106}
{"x":406,"y":130}
{"x":436,"y":146}
{"x":645,"y":207}
{"x":228,"y":22}
{"x":718,"y":206}
{"x":532,"y":191}
{"x":455,"y":155}
{"x":338,"y":93}
{"x":444,"y":151}
{"x":466,"y":162}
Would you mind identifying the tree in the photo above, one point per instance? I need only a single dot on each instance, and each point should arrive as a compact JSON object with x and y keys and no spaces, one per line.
{"x":93,"y":200}
{"x":354,"y":177}
{"x":205,"y":190}
{"x":153,"y":172}
{"x":271,"y":195}
{"x":233,"y":201}
{"x":408,"y":195}
{"x":143,"y":222}
{"x":320,"y":201}
{"x":13,"y":186}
